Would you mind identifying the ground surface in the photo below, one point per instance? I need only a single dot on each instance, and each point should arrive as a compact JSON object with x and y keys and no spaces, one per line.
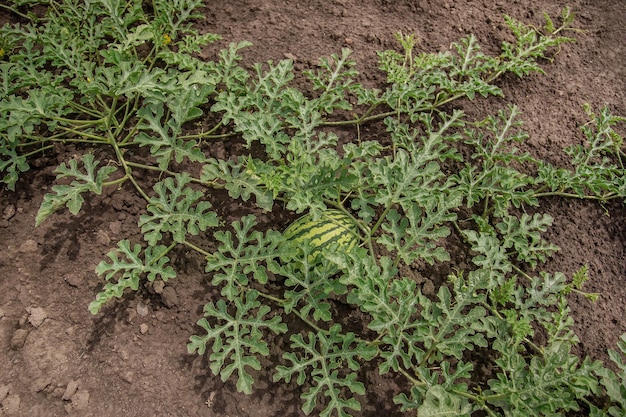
{"x":57,"y":359}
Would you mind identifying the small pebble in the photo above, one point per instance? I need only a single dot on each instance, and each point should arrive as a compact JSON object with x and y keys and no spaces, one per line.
{"x":11,"y":404}
{"x":71,"y":388}
{"x":115,"y":227}
{"x":73,"y":280}
{"x":158,"y":286}
{"x":37,"y":316}
{"x":102,"y":238}
{"x":29,"y":246}
{"x":80,"y":400}
{"x":40,"y":384}
{"x":4,"y":392}
{"x":19,"y":338}
{"x":127,"y":376}
{"x":142,"y":310}
{"x":169,"y":297}
{"x":8,"y":212}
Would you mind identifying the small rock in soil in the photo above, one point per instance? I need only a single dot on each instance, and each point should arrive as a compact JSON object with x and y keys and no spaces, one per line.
{"x":218,"y":151}
{"x":102,"y":238}
{"x":115,"y":227}
{"x":70,"y":390}
{"x":37,"y":316}
{"x":127,"y":376}
{"x":158,"y":287}
{"x":80,"y":400}
{"x":4,"y":392}
{"x":143,"y":328}
{"x":74,"y":280}
{"x":11,"y":405}
{"x":40,"y":384}
{"x":160,"y":315}
{"x":78,"y":404}
{"x":29,"y":246}
{"x":8,"y":212}
{"x":117,"y":202}
{"x":19,"y":338}
{"x":428,"y":288}
{"x":58,"y":392}
{"x":169,"y":297}
{"x":142,"y":310}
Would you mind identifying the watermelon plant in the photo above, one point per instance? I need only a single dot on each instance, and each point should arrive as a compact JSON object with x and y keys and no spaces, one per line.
{"x":125,"y":83}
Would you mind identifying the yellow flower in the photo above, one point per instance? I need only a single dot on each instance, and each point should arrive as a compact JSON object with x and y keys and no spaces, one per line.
{"x":167,"y":39}
{"x":1,"y":52}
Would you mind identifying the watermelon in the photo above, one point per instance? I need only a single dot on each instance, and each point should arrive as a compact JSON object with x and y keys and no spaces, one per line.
{"x":333,"y":227}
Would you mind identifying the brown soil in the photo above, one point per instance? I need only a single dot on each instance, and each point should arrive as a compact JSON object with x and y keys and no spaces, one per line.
{"x":57,"y":359}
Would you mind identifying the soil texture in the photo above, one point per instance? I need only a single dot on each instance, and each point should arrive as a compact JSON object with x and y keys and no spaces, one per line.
{"x":56,"y":359}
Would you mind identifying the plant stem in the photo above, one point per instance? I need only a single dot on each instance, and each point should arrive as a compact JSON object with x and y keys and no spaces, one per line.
{"x":198,"y":249}
{"x":115,"y":182}
{"x":127,"y":170}
{"x":17,"y":12}
{"x":212,"y":184}
{"x":98,"y":139}
{"x":277,"y":300}
{"x":282,"y":302}
{"x":600,"y":198}
{"x":165,"y":252}
{"x":26,"y":155}
{"x":416,"y":382}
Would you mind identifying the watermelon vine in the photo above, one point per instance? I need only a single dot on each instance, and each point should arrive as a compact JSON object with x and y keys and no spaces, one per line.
{"x":375,"y":211}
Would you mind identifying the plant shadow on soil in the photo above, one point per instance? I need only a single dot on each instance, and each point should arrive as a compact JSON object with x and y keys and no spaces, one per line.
{"x":133,"y":364}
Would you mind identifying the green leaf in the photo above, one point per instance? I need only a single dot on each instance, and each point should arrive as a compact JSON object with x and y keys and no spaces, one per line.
{"x":470,"y":69}
{"x":495,"y":177}
{"x":541,"y":385}
{"x":128,"y":267}
{"x":614,"y":383}
{"x":23,"y":115}
{"x":490,"y":253}
{"x":71,"y":195}
{"x":325,"y":360}
{"x":249,"y":253}
{"x":165,"y":145}
{"x":312,"y":171}
{"x":440,"y":403}
{"x":417,"y":234}
{"x":530,"y":44}
{"x":176,"y":209}
{"x":598,"y":166}
{"x":335,"y":80}
{"x":236,"y":337}
{"x":310,"y":283}
{"x":240,"y":180}
{"x":524,"y":236}
{"x":390,"y":301}
{"x":193,"y":91}
{"x":11,"y":163}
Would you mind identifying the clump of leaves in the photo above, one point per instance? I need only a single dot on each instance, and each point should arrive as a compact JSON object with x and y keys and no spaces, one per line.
{"x":111,"y":75}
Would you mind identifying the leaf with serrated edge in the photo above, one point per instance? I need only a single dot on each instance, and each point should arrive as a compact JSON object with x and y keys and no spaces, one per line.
{"x":128,"y":269}
{"x":236,"y":338}
{"x":321,"y":358}
{"x":176,"y":209}
{"x":70,"y":195}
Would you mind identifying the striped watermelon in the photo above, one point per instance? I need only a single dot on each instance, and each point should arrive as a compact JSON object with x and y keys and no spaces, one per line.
{"x":333,"y":226}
